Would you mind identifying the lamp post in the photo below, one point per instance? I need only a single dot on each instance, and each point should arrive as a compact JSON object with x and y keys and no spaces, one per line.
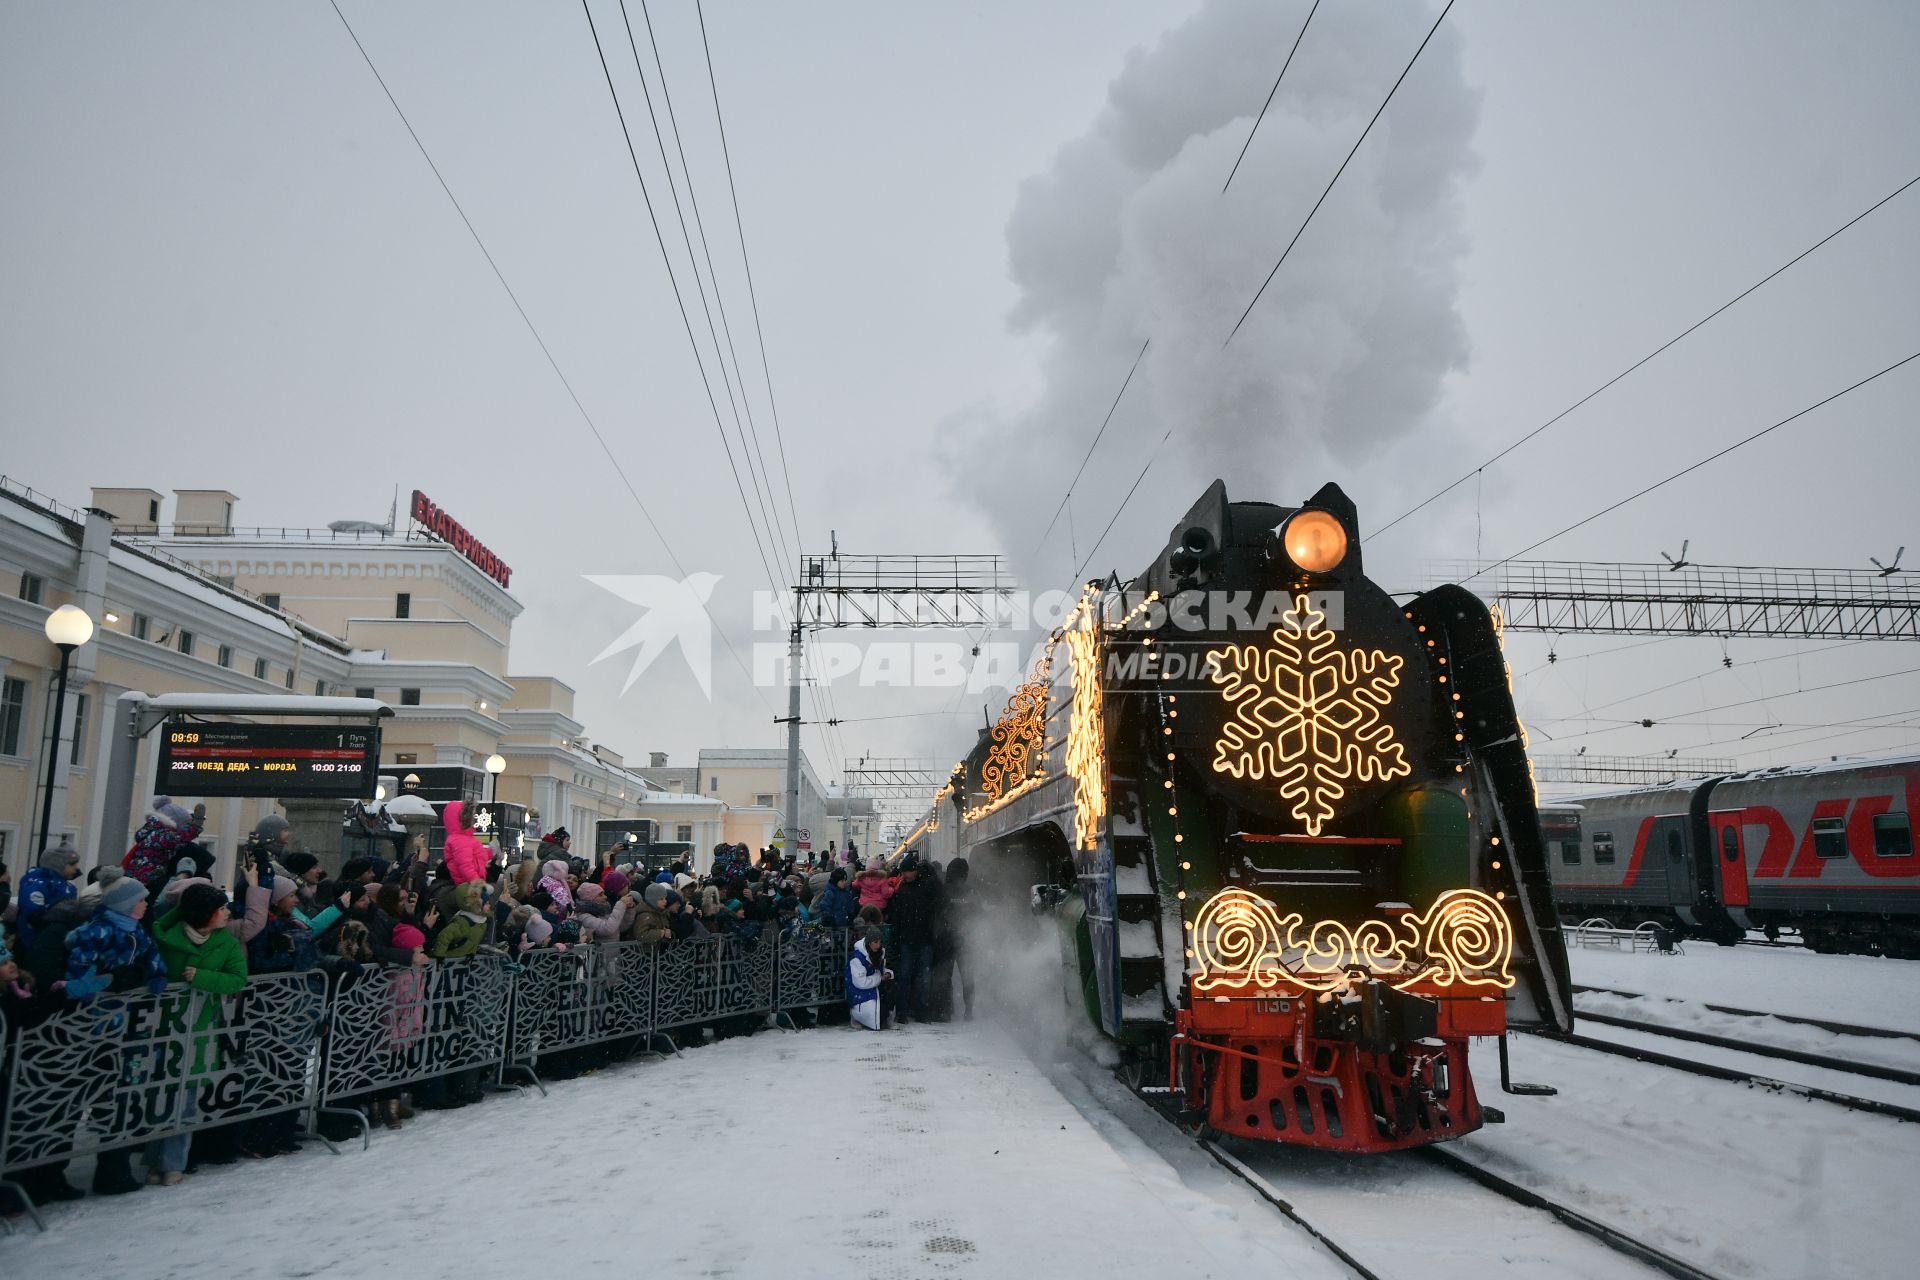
{"x":496,"y":765}
{"x":68,"y":627}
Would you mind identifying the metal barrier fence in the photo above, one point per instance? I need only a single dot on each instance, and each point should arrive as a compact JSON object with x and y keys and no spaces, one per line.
{"x":124,"y":1069}
{"x":395,"y":1026}
{"x":120,"y":1070}
{"x":587,"y":995}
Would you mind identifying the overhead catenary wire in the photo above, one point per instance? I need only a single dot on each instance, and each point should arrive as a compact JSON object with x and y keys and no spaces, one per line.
{"x":776,"y":534}
{"x":719,"y":299}
{"x":680,"y":301}
{"x":1088,"y":456}
{"x":1689,"y":469}
{"x":540,"y":341}
{"x":1663,"y":347}
{"x":1650,"y":722}
{"x":1261,"y":291}
{"x":1270,"y":93}
{"x":746,"y":263}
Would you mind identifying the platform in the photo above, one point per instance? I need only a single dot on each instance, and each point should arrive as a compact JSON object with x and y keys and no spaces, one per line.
{"x":934,"y":1151}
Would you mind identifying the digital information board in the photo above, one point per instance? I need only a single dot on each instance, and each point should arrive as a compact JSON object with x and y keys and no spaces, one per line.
{"x":271,"y":760}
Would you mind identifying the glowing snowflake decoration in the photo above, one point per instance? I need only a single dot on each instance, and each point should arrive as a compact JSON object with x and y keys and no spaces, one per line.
{"x":1307,"y":714}
{"x":483,"y":821}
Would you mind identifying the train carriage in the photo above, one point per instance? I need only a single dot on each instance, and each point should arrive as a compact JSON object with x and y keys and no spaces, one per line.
{"x":1823,"y":849}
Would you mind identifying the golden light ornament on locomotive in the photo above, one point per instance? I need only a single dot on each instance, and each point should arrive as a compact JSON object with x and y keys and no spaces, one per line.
{"x":1086,"y":734}
{"x":1017,"y":736}
{"x":1307,"y":714}
{"x":1241,"y":941}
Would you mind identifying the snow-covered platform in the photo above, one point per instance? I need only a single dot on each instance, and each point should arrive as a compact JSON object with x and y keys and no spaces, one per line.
{"x":935,"y":1151}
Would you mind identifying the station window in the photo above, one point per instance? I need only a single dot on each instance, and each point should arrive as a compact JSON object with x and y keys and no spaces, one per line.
{"x":365,"y":691}
{"x":1892,"y":836}
{"x":183,"y":641}
{"x":289,"y":677}
{"x":406,"y":757}
{"x":319,"y":688}
{"x":13,"y":714}
{"x":271,"y":599}
{"x":32,"y":587}
{"x":713,"y":784}
{"x":1603,"y":846}
{"x":141,"y":626}
{"x":1829,"y":837}
{"x":764,"y":799}
{"x":226,"y":655}
{"x":259,"y":668}
{"x":409,"y":697}
{"x":683,"y":833}
{"x":403,"y":604}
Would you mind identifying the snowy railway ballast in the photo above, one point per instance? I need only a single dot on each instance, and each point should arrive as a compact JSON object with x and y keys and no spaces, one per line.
{"x":1286,"y":827}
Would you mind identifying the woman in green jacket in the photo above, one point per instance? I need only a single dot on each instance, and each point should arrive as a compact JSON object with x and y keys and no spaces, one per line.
{"x":200,"y":951}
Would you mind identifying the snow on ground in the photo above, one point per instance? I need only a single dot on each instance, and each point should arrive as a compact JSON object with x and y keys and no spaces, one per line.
{"x":938,"y":1151}
{"x":1739,"y":1181}
{"x":1869,"y":991}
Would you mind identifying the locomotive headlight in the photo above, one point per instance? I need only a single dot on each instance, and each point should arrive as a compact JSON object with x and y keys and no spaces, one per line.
{"x":1315,"y":541}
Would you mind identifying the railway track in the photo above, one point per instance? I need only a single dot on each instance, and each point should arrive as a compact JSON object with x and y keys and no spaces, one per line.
{"x":1779,"y":1052}
{"x":1838,"y":1028}
{"x":1655,"y":1058}
{"x":1615,"y":1240}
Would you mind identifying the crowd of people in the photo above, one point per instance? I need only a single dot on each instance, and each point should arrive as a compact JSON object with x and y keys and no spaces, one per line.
{"x":157,"y":918}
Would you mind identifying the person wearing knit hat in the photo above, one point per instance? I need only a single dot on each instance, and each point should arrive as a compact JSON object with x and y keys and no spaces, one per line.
{"x":538,"y":931}
{"x":111,"y":950}
{"x":46,"y":886}
{"x":97,"y":881}
{"x":553,"y":878}
{"x":168,"y":827}
{"x":616,"y":884}
{"x":867,"y":1002}
{"x":408,"y":938}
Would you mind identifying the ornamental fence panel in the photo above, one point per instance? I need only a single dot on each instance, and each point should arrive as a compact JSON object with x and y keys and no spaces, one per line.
{"x":699,"y":980}
{"x":395,"y":1026}
{"x":124,"y":1069}
{"x":584,"y":995}
{"x":812,"y":969}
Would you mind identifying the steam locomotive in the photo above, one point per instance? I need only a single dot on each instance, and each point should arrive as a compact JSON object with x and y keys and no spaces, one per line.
{"x":1825,"y":850}
{"x":1291,"y":828}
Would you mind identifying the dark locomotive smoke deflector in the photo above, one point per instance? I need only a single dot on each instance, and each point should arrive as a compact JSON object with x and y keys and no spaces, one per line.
{"x":1493,"y":733}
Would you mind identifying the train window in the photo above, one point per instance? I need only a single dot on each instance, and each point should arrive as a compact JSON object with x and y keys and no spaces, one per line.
{"x":1569,"y":852}
{"x":1892,"y":836}
{"x":1829,"y":837}
{"x":1673,"y":843}
{"x":1603,"y":846}
{"x":1730,"y":843}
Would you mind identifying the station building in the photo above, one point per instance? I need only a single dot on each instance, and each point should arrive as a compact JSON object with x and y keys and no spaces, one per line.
{"x":417,"y":614}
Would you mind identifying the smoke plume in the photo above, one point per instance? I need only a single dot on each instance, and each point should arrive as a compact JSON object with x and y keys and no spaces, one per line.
{"x":1128,"y":237}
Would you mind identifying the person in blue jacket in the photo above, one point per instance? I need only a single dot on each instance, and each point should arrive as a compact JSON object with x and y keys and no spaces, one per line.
{"x":836,"y":904}
{"x":49,"y":884}
{"x":111,"y":952}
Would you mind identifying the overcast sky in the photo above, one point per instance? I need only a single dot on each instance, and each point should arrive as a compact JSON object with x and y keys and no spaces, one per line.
{"x":226,"y":265}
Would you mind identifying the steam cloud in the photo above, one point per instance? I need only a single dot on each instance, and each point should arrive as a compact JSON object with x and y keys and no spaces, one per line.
{"x":1128,"y":237}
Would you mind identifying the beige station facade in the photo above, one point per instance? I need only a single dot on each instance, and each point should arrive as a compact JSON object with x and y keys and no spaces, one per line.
{"x":186,"y":598}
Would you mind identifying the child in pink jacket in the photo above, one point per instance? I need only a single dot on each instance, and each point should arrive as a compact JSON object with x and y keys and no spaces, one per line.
{"x":876,"y":887}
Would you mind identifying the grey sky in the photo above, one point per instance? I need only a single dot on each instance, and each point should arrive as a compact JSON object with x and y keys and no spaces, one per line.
{"x":225,"y":264}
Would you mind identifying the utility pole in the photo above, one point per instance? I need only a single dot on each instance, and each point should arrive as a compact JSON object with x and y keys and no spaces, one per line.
{"x":793,"y":732}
